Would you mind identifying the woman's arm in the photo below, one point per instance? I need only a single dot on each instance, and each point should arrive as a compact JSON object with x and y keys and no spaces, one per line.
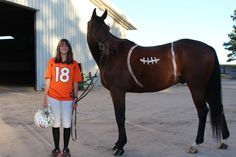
{"x":46,"y":88}
{"x":75,"y":87}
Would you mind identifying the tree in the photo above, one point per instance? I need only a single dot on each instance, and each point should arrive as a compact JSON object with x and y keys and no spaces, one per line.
{"x":231,"y":45}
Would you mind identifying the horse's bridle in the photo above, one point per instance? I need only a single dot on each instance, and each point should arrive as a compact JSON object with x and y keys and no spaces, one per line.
{"x":101,"y":43}
{"x":101,"y":35}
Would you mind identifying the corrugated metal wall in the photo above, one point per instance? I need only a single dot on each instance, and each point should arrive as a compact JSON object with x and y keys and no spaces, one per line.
{"x":56,"y":19}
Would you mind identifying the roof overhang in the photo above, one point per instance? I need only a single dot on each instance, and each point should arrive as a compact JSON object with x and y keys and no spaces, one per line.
{"x":18,"y":5}
{"x":101,"y":4}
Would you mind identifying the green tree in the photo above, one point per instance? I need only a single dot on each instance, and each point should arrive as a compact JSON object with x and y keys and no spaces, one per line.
{"x":231,"y":45}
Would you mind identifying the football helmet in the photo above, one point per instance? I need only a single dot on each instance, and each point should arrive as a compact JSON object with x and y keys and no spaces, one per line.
{"x":43,"y":118}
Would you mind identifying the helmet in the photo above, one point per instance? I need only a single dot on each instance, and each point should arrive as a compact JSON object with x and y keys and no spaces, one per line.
{"x":43,"y":118}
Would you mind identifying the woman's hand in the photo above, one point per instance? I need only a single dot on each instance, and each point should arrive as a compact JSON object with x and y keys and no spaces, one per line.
{"x":45,"y":102}
{"x":75,"y":102}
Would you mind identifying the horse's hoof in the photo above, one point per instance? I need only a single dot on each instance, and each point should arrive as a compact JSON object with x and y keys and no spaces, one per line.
{"x":223,"y":146}
{"x":118,"y":152}
{"x":192,"y":150}
{"x":115,"y":147}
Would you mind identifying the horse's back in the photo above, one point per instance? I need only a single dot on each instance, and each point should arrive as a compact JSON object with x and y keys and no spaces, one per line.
{"x":197,"y":49}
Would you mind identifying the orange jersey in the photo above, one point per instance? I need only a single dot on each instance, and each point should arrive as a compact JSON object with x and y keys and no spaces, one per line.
{"x":62,"y":77}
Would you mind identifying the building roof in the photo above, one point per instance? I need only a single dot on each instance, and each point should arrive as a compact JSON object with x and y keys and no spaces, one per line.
{"x":121,"y":19}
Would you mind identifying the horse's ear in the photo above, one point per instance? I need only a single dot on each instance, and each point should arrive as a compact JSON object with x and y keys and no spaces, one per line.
{"x":104,"y":15}
{"x":94,"y":13}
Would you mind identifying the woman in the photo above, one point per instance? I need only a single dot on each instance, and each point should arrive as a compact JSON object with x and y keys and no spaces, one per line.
{"x":61,"y":89}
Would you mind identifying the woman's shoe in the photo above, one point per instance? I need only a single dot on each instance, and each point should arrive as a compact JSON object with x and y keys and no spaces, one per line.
{"x":66,"y":152}
{"x":55,"y":152}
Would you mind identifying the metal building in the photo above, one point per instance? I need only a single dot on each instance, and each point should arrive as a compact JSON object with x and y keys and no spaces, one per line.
{"x":34,"y":27}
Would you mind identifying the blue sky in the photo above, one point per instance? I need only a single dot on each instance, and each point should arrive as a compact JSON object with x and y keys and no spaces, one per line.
{"x":163,"y":21}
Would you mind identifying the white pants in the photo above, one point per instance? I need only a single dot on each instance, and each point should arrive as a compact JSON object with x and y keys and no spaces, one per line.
{"x":62,"y":112}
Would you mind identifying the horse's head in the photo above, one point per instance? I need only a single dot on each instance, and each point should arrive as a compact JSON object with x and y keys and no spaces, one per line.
{"x":98,"y":28}
{"x":98,"y":34}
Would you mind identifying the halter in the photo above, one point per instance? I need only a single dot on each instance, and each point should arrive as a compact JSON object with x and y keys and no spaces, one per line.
{"x":101,"y":44}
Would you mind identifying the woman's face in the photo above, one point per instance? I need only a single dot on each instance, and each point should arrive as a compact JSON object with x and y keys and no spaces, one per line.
{"x":64,"y":48}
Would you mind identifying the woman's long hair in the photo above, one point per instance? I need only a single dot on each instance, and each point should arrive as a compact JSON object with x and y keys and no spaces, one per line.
{"x":69,"y":58}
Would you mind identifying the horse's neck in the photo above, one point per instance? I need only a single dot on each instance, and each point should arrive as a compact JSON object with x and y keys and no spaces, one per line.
{"x":96,"y":55}
{"x":114,"y":41}
{"x":94,"y":51}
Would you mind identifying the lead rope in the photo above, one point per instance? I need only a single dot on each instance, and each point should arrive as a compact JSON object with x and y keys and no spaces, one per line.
{"x":73,"y":127}
{"x":74,"y":111}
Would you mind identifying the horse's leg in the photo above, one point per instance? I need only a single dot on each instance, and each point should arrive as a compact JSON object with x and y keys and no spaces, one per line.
{"x":202,"y":110}
{"x":225,"y":133}
{"x":118,"y":98}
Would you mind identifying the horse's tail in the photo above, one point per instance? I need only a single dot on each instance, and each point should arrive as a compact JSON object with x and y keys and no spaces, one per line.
{"x":214,"y":99}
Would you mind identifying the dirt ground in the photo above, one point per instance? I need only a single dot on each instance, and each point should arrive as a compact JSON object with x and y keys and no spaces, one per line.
{"x":161,"y":124}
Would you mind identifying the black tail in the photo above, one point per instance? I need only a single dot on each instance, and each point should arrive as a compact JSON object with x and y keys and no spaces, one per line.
{"x":214,"y":99}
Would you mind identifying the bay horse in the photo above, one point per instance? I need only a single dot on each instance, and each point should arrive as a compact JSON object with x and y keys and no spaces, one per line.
{"x":127,"y":67}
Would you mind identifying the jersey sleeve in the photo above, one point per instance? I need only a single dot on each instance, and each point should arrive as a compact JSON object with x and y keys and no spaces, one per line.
{"x":48,"y":72}
{"x":77,"y":73}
